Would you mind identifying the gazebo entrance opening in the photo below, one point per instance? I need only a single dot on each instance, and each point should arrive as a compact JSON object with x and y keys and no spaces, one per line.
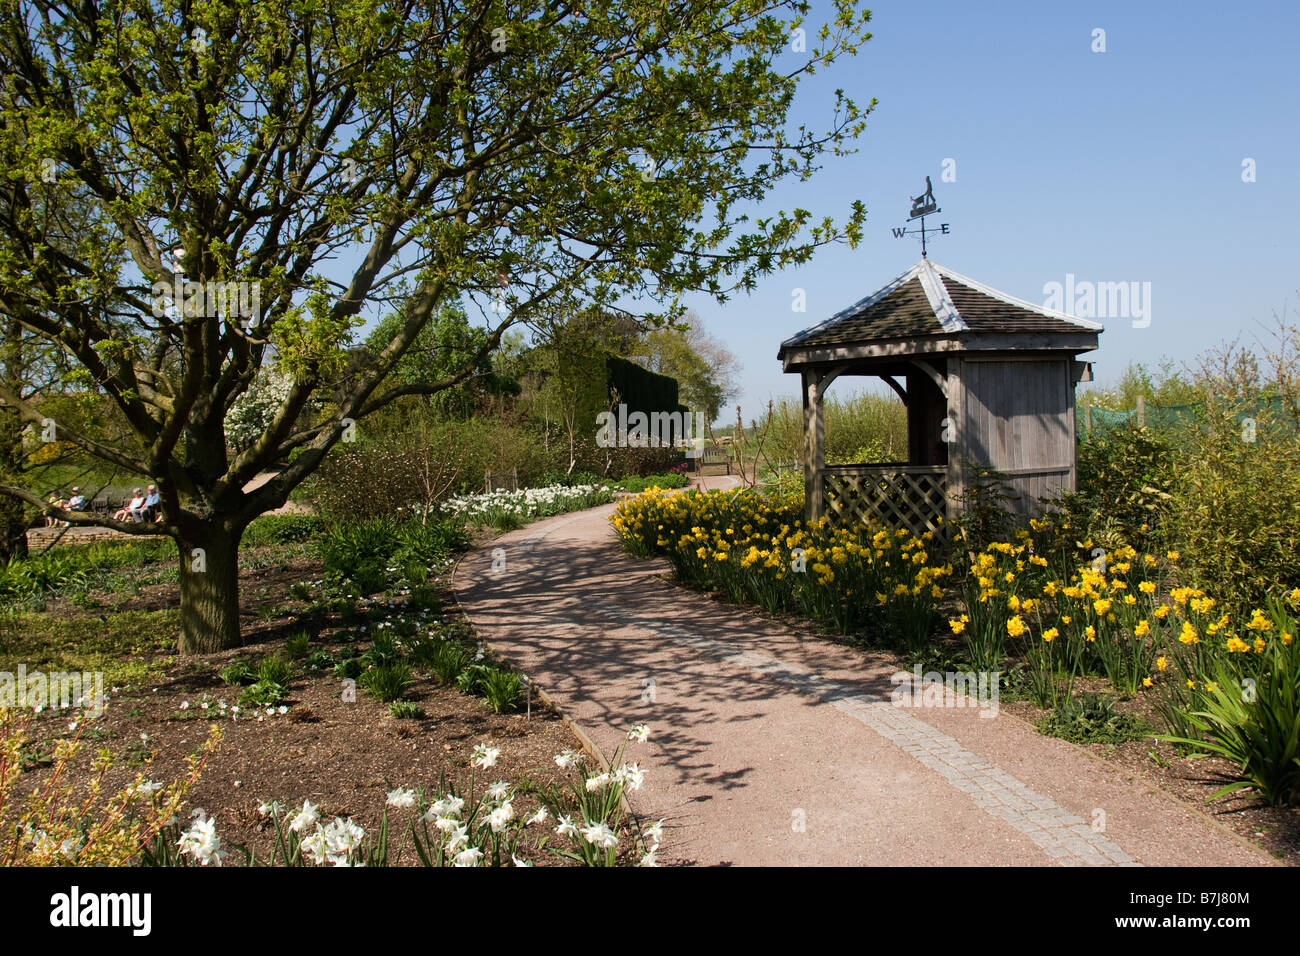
{"x":911,"y":494}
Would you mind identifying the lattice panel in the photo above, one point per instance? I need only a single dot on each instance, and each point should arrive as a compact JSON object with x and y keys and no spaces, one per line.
{"x":899,"y":499}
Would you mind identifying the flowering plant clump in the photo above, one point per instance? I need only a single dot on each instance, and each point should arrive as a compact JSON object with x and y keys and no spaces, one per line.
{"x":508,"y":508}
{"x":755,"y":548}
{"x":595,"y":827}
{"x":480,"y":825}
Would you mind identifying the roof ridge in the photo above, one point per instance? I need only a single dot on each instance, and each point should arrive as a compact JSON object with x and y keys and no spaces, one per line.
{"x":945,"y":310}
{"x":1012,"y":300}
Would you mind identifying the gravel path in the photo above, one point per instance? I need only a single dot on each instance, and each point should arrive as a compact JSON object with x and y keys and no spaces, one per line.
{"x":769,"y":747}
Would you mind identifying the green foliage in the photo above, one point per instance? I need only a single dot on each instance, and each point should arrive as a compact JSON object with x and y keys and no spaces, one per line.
{"x":349,"y":669}
{"x":406,"y":710}
{"x":470,"y":679}
{"x":76,"y":567}
{"x":985,"y":502}
{"x":1233,"y":513}
{"x":362,"y":552}
{"x":263,"y":693}
{"x":388,"y":682}
{"x":445,"y":658}
{"x":1253,"y":721}
{"x":1124,"y":484}
{"x":319,"y":660}
{"x":706,"y":373}
{"x":275,"y":669}
{"x":281,"y":529}
{"x":1089,"y":718}
{"x":672,"y":479}
{"x":124,"y":645}
{"x":502,"y":690}
{"x":382,"y":652}
{"x":443,"y":347}
{"x":238,"y":673}
{"x":297,"y":646}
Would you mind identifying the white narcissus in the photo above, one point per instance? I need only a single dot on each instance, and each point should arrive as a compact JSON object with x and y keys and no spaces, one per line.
{"x":306,"y":818}
{"x":600,"y":835}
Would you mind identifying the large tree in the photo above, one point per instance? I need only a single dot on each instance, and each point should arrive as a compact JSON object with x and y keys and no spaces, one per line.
{"x":301,"y":165}
{"x":707,"y":373}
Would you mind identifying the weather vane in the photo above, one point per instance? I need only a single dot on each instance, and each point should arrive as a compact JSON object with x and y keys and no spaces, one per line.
{"x":922,"y":206}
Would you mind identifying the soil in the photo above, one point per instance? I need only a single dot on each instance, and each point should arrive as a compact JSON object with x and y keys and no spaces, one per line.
{"x":342,"y":756}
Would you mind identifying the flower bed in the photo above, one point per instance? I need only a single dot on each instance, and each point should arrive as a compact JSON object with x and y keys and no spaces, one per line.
{"x":754,"y":548}
{"x":505,"y":509}
{"x":1224,"y":681}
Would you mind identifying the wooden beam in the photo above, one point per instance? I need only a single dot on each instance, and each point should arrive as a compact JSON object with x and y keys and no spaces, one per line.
{"x":902,"y":392}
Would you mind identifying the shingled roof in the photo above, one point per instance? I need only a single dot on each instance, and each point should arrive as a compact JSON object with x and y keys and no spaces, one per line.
{"x":929,"y":300}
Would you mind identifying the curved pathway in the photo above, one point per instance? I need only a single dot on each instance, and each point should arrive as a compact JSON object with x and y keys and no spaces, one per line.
{"x":769,"y":747}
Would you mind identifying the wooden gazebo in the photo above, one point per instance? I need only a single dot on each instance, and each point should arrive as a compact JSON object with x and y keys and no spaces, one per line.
{"x":986,"y":378}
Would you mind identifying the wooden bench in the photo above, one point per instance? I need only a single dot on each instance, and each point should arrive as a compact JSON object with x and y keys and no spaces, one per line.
{"x":715,"y":455}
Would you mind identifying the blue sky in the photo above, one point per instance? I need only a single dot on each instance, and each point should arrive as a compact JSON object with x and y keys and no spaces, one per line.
{"x":1117,"y":166}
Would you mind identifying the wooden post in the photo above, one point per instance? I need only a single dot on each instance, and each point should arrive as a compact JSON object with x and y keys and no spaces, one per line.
{"x":1087,"y":419}
{"x":814,"y":446}
{"x":1142,"y":411}
{"x":953,"y":435}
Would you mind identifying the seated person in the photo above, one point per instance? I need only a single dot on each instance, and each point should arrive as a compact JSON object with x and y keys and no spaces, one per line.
{"x":134,"y":510}
{"x":152,"y":511}
{"x":54,"y":502}
{"x":77,"y":502}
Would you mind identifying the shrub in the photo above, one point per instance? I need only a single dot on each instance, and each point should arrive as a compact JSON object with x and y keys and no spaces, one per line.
{"x":470,"y":680}
{"x":382,"y":652}
{"x":73,"y":819}
{"x":359,"y":552}
{"x":281,"y":529}
{"x":1124,"y":482}
{"x":349,"y":669}
{"x":1089,"y":718}
{"x":388,"y":682}
{"x":671,"y":479}
{"x":319,"y":660}
{"x":1233,"y":513}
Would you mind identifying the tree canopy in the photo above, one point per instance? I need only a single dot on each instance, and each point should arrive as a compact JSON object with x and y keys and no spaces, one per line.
{"x":263,"y":174}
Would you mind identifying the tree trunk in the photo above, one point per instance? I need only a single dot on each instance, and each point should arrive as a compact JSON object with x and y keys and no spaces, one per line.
{"x":13,"y":517}
{"x":209,"y":575}
{"x":13,"y":529}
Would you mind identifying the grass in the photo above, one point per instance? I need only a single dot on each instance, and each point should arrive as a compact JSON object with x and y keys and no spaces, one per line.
{"x":120,"y":645}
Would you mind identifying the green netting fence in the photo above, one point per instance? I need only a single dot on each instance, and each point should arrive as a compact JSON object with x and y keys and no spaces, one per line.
{"x":1098,"y":421}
